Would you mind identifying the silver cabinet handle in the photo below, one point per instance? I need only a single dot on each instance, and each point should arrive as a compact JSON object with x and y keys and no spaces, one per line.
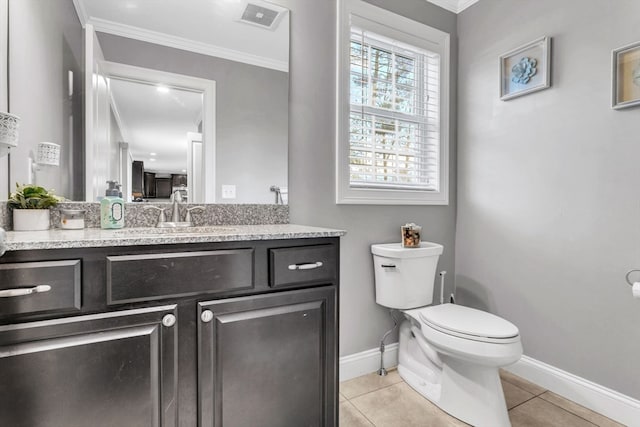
{"x":309,"y":266}
{"x":17,"y":292}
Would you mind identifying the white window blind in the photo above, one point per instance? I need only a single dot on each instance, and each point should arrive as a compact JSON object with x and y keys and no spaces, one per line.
{"x":394,"y":121}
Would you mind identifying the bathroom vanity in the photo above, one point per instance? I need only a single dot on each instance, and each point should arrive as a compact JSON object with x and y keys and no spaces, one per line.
{"x":224,"y":327}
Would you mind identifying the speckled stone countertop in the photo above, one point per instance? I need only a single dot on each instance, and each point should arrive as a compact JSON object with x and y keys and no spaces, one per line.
{"x":94,"y":237}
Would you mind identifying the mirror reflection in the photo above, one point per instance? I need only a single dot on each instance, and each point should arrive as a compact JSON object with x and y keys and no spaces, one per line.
{"x":159,"y":122}
{"x":108,"y":125}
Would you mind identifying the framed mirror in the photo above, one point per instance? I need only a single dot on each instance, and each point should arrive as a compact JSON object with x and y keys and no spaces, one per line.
{"x":66,"y":65}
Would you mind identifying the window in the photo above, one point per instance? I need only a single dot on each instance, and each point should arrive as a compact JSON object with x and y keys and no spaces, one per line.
{"x":392,"y":145}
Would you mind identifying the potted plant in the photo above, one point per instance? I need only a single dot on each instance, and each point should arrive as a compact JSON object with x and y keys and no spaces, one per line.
{"x":31,"y":205}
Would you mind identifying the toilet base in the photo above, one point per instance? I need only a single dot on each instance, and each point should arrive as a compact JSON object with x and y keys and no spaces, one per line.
{"x":467,"y":391}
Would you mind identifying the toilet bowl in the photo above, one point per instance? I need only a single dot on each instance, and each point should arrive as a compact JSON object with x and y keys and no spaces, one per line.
{"x":448,"y":353}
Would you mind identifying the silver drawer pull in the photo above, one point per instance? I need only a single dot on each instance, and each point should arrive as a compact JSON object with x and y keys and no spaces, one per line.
{"x":309,"y":266}
{"x":24,"y":291}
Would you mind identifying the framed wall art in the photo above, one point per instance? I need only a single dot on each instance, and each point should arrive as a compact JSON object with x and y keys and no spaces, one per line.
{"x":626,"y":76}
{"x":526,"y":69}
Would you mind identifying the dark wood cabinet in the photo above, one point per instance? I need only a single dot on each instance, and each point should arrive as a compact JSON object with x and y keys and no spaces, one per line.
{"x":107,"y":369}
{"x":179,"y":180}
{"x":163,"y":188}
{"x":200,"y":334}
{"x":149,"y":185}
{"x":278,"y":350}
{"x":137,"y":178}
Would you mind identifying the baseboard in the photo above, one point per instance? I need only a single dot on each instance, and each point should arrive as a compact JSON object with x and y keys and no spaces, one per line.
{"x":605,"y":401}
{"x":365,"y":362}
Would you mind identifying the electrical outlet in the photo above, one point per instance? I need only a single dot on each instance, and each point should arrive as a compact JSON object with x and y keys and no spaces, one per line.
{"x":228,"y":191}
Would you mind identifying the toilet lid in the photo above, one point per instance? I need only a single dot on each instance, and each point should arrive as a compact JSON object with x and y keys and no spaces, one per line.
{"x":468,"y":321}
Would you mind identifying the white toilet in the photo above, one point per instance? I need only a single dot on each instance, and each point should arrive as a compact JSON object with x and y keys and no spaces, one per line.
{"x":448,"y":353}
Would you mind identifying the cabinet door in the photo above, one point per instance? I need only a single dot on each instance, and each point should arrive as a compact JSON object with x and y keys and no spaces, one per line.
{"x":109,"y":369}
{"x":269,"y":360}
{"x":149,"y":184}
{"x":137,"y":180}
{"x":163,"y":189}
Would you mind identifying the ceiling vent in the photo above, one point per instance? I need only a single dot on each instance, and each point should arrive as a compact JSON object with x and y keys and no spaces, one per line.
{"x":262,"y":14}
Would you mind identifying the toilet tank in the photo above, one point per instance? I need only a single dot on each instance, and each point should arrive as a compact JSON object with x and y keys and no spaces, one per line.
{"x":405,"y":276}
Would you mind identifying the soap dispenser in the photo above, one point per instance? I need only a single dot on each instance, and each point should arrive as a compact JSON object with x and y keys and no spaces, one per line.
{"x":112,"y":207}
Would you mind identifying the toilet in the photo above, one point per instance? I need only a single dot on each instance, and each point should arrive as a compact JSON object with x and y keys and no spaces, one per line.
{"x":448,"y":353}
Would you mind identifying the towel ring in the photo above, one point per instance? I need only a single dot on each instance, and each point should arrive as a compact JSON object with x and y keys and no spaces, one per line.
{"x":629,"y":274}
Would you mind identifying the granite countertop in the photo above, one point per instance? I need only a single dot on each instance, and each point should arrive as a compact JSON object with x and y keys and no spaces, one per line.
{"x":95,"y":237}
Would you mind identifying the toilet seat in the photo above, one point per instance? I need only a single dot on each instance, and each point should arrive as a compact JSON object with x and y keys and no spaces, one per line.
{"x":468,"y":323}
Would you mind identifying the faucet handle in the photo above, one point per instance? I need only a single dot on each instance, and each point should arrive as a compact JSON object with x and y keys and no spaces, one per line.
{"x":162,"y":218}
{"x":187,"y":218}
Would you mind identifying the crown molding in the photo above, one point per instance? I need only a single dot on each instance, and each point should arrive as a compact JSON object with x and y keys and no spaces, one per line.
{"x":137,"y":33}
{"x":455,"y":6}
{"x":81,"y":11}
{"x":176,"y":42}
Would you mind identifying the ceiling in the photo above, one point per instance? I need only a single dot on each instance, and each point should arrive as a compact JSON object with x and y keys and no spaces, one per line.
{"x":156,"y":121}
{"x":204,"y":26}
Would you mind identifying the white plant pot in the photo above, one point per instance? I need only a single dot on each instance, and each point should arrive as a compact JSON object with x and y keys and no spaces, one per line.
{"x":30,"y":219}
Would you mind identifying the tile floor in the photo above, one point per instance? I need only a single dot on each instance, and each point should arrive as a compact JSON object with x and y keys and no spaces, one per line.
{"x":374,"y":401}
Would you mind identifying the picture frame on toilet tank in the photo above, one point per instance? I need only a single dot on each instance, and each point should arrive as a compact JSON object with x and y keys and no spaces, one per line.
{"x":526,"y":69}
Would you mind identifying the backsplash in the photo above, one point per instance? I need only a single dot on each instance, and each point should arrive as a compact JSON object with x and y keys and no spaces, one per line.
{"x":137,"y":216}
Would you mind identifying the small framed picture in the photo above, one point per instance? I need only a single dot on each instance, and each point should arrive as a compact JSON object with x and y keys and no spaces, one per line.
{"x":626,"y":76}
{"x":526,"y":69}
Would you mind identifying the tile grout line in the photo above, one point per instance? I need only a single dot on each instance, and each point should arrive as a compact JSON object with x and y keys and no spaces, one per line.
{"x":522,"y":403}
{"x":364,"y":394}
{"x":372,"y":391}
{"x":573,"y":413}
{"x":360,"y":412}
{"x":516,"y":385}
{"x":539,"y":396}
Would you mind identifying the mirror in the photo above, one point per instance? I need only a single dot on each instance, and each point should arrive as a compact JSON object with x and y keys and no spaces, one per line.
{"x":66,"y":82}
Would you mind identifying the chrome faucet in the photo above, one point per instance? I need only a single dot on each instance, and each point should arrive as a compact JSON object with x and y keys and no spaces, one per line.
{"x":176,"y":199}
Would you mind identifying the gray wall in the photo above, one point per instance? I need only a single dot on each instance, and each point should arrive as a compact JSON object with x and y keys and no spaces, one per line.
{"x":251,"y":113}
{"x":312,"y":167}
{"x":548,"y":200}
{"x":45,"y":42}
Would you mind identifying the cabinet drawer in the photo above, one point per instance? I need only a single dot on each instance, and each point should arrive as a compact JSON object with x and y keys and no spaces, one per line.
{"x":302,"y":264}
{"x":168,"y":275}
{"x":33,"y":287}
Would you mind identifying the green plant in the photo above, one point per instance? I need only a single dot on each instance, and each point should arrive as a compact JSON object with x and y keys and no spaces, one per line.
{"x":29,"y":196}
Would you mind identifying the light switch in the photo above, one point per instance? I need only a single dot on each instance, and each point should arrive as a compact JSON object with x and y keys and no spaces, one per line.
{"x":228,"y":191}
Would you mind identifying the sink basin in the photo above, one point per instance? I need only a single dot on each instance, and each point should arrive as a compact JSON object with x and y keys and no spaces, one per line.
{"x":209,"y":229}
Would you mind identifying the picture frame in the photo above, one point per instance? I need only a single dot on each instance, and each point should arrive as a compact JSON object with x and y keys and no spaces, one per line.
{"x":625,"y":88}
{"x":526,"y":69}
